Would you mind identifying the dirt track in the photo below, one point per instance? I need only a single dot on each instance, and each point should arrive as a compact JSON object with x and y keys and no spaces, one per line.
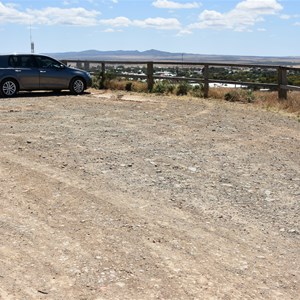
{"x":107,"y":196}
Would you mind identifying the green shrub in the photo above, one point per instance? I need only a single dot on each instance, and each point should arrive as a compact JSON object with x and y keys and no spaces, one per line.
{"x":170,"y":88}
{"x":163,"y":87}
{"x":250,"y":96}
{"x":95,"y":82}
{"x":182,"y":89}
{"x":239,"y":95}
{"x":197,"y":91}
{"x":159,"y":87}
{"x":232,"y":96}
{"x":102,"y":82}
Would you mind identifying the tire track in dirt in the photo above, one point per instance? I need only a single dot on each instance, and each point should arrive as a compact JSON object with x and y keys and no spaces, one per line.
{"x":175,"y":248}
{"x":77,"y":222}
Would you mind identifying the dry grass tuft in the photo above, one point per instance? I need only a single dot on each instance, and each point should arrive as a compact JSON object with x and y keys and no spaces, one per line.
{"x":126,"y":85}
{"x":218,"y":93}
{"x":270,"y":101}
{"x":140,"y":87}
{"x":267,"y":100}
{"x":264,"y":99}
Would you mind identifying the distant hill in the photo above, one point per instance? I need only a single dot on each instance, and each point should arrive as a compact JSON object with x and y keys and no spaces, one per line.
{"x":157,"y":55}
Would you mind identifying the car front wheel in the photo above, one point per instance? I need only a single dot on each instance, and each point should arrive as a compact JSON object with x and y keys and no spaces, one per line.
{"x":9,"y":88}
{"x":77,"y":86}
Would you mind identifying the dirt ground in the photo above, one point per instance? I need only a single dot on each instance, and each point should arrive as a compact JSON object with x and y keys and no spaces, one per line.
{"x":127,"y":196}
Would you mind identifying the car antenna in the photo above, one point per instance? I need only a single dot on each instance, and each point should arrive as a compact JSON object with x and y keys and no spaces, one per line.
{"x":31,"y":42}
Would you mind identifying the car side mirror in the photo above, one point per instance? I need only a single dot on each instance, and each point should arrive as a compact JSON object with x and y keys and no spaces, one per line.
{"x":59,"y":67}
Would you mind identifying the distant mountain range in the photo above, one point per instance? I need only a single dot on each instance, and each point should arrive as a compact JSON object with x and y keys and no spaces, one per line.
{"x":156,"y":55}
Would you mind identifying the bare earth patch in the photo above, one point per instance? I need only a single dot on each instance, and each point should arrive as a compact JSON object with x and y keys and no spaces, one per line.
{"x":121,"y":196}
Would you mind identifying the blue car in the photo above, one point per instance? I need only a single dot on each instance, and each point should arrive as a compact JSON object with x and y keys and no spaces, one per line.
{"x":28,"y":72}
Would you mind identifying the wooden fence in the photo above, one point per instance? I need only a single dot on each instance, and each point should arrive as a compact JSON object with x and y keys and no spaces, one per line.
{"x":282,"y":85}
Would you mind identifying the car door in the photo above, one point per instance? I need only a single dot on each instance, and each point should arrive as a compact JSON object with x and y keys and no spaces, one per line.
{"x":25,"y":70}
{"x":53,"y":74}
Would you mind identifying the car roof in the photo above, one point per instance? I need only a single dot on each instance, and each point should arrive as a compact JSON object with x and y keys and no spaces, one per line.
{"x":19,"y":54}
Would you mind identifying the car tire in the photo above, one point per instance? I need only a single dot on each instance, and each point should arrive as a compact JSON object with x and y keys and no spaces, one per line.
{"x":57,"y":91}
{"x":9,"y":88}
{"x":77,"y":86}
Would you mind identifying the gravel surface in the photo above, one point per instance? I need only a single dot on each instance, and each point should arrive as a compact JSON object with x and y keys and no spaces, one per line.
{"x":127,"y":196}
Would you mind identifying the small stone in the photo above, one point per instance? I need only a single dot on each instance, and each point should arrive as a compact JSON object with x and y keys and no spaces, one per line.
{"x":227,"y":184}
{"x":120,"y":284}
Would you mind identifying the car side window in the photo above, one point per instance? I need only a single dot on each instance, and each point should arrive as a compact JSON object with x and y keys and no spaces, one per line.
{"x":27,"y":61}
{"x":21,"y":61}
{"x":13,"y":61}
{"x":47,"y":62}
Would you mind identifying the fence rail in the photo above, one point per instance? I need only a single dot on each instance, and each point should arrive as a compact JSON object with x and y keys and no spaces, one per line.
{"x":282,"y":80}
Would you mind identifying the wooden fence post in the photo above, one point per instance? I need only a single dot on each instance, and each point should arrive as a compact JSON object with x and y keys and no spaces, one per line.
{"x":87,"y":65}
{"x":102,"y":69}
{"x":78,"y":65}
{"x":206,"y":83}
{"x":150,"y":80}
{"x":102,"y":75}
{"x":282,"y":81}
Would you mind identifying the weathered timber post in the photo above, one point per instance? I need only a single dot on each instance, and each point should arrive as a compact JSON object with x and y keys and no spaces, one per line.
{"x":103,"y":69}
{"x":282,"y":81}
{"x":102,"y":74}
{"x":206,"y":83}
{"x":86,"y":66}
{"x":79,"y":65}
{"x":150,"y":80}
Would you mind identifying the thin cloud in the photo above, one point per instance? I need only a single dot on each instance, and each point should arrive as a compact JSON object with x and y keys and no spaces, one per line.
{"x":155,"y":23}
{"x":79,"y":17}
{"x":285,"y":17}
{"x":244,"y":16}
{"x":158,"y":23}
{"x":9,"y":14}
{"x":71,"y":16}
{"x":288,"y":17}
{"x":184,"y":32}
{"x":111,"y":30}
{"x":175,"y":5}
{"x":49,"y":16}
{"x":117,"y":22}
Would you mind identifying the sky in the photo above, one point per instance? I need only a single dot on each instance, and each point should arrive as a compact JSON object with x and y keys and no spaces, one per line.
{"x":222,"y":27}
